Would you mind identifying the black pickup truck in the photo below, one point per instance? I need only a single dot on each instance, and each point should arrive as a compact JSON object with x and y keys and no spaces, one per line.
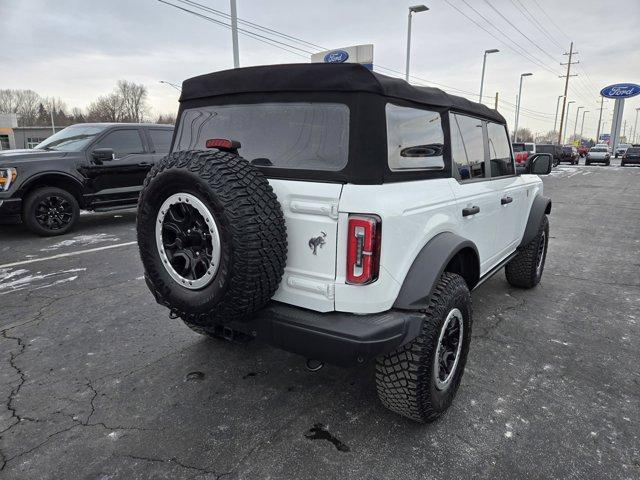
{"x":90,"y":166}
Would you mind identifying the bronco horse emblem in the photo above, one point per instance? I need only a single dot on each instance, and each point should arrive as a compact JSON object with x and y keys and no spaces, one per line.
{"x":316,"y":242}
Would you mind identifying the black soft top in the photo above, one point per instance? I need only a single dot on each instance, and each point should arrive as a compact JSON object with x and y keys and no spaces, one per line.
{"x":323,"y":77}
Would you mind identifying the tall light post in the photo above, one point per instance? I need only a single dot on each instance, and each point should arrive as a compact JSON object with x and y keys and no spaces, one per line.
{"x":555,"y":120}
{"x":412,"y":10}
{"x":635,"y":125}
{"x":575,"y":125}
{"x":582,"y":126}
{"x":484,"y":63}
{"x":234,"y":34}
{"x":171,"y":85}
{"x":566,"y":120}
{"x":515,"y":130}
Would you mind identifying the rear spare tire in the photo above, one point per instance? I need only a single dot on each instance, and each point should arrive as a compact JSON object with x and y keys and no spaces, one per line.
{"x":212,"y":237}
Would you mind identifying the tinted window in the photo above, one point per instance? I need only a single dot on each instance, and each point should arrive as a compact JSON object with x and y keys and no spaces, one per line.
{"x":519,"y":147}
{"x":633,"y":150}
{"x":415,"y":139}
{"x":499,"y":151}
{"x":313,"y":136}
{"x":123,"y":142}
{"x":467,"y":146}
{"x":161,"y":139}
{"x":544,"y":149}
{"x":528,"y":147}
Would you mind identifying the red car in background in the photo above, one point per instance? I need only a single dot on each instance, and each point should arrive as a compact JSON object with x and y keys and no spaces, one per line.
{"x":582,"y":150}
{"x":520,"y":151}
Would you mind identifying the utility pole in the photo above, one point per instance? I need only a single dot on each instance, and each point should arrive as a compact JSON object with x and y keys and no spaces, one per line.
{"x":566,"y":88}
{"x":575,"y":126}
{"x":496,"y":107}
{"x":599,"y":119}
{"x":234,"y":34}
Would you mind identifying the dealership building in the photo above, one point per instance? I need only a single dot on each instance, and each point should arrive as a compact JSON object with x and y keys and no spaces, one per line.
{"x":12,"y":136}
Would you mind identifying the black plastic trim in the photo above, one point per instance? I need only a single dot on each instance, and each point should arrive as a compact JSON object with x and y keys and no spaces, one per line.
{"x":427,"y":269}
{"x":541,"y":206}
{"x":343,"y":339}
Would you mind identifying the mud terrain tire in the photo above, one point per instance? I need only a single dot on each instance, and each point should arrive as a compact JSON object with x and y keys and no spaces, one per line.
{"x":251,"y":232}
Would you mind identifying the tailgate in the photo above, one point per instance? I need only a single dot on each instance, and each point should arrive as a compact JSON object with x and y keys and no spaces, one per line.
{"x":311,"y":215}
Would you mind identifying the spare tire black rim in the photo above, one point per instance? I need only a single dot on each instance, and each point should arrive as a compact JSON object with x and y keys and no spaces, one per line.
{"x":448,"y":350}
{"x":188,"y":241}
{"x":53,"y":212}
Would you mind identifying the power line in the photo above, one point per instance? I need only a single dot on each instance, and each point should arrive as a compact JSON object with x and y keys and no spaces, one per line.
{"x":534,"y":21}
{"x":551,"y":20}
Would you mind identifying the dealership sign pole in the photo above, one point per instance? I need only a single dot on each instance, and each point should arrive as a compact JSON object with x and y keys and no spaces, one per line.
{"x":619,"y":92}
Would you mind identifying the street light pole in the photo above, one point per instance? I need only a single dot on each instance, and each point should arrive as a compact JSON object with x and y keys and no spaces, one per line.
{"x":171,"y":85}
{"x":484,"y":63}
{"x":555,"y":120}
{"x":635,"y":125}
{"x":413,"y":9}
{"x":515,"y":130}
{"x":599,"y":120}
{"x":234,"y":34}
{"x":582,"y":126}
{"x":566,"y":122}
{"x":575,"y":125}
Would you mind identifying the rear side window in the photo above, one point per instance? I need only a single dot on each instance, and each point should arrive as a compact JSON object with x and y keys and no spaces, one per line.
{"x":123,"y":142}
{"x":499,"y":151}
{"x":467,"y":146}
{"x":310,"y":136}
{"x":415,"y":140}
{"x":161,"y":139}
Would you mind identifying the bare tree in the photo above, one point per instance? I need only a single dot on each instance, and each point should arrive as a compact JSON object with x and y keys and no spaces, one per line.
{"x":107,"y":108}
{"x":134,"y":100}
{"x":24,"y":103}
{"x":167,"y":118}
{"x":524,"y":135}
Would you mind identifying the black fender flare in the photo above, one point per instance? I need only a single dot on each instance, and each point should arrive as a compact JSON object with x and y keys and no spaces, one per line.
{"x":541,"y":206}
{"x":428,"y":267}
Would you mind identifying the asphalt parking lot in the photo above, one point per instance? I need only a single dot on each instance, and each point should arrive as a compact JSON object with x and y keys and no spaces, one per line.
{"x":97,"y":382}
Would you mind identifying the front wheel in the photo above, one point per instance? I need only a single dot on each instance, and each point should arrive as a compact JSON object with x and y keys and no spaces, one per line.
{"x":419,"y":380}
{"x":525,"y":270}
{"x":50,"y":211}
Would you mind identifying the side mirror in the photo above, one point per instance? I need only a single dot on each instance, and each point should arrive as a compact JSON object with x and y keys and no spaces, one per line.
{"x":103,"y":155}
{"x":540,"y":164}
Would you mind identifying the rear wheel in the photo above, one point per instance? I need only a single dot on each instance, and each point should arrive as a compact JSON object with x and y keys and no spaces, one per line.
{"x":525,"y":270}
{"x":50,"y":211}
{"x":420,"y":379}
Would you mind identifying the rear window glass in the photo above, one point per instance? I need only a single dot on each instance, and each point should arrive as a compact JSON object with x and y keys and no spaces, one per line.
{"x":633,"y":150}
{"x":528,"y":147}
{"x":598,"y":149}
{"x":311,"y":136}
{"x":519,"y":147}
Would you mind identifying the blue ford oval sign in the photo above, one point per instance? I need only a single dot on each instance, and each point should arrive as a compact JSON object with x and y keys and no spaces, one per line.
{"x":620,"y":90}
{"x":337,"y":56}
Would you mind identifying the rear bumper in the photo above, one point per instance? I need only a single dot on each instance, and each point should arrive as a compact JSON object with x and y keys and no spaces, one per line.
{"x":631,"y":160}
{"x":10,"y":210}
{"x":337,"y":338}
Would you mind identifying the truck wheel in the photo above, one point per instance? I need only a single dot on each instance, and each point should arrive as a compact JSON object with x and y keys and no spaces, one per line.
{"x":420,"y":379}
{"x":50,"y":211}
{"x":525,"y":270}
{"x":212,"y":237}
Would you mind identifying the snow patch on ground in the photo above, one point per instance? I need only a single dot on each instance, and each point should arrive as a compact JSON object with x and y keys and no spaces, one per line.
{"x":82,"y":241}
{"x":20,"y":279}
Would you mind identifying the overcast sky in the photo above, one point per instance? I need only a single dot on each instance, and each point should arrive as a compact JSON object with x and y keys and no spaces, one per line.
{"x":78,"y":49}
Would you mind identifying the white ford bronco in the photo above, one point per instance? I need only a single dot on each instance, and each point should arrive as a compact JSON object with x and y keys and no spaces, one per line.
{"x":342,"y":215}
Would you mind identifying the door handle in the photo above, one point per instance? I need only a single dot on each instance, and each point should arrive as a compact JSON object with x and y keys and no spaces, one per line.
{"x":470,"y":211}
{"x":505,"y":200}
{"x":145,"y":164}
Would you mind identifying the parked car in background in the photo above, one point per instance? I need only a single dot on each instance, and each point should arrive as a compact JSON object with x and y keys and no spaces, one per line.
{"x":621,"y":148}
{"x":520,"y":152}
{"x":598,"y":154}
{"x":632,"y":155}
{"x":583,"y":150}
{"x":89,"y":166}
{"x":603,"y":145}
{"x":554,"y":150}
{"x":569,"y":154}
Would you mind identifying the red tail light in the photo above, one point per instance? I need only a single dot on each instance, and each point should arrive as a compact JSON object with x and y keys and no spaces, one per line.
{"x":363,"y":249}
{"x":223,"y":144}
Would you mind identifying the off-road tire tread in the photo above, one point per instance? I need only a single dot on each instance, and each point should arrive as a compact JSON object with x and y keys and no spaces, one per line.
{"x":403,"y":376}
{"x":521,"y":270}
{"x":256,"y":223}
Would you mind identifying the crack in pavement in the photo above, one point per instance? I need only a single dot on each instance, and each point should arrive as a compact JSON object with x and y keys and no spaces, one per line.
{"x":169,"y":461}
